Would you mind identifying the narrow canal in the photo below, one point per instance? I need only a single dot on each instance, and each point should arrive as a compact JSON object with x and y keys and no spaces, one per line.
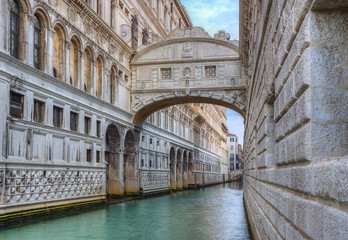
{"x":213,"y":213}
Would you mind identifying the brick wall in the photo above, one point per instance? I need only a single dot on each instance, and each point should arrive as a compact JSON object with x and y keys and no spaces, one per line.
{"x":296,"y":140}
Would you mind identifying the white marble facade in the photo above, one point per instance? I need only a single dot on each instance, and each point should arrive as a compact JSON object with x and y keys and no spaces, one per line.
{"x":55,"y":114}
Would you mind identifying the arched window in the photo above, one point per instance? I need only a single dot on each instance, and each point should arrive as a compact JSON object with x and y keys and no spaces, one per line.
{"x":99,"y":76}
{"x":37,"y":42}
{"x":74,"y":61}
{"x":113,"y":83}
{"x":58,"y":40}
{"x":14,"y":32}
{"x":88,"y":70}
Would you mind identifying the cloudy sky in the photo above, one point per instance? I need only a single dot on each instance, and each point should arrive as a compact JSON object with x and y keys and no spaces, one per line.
{"x":215,"y":15}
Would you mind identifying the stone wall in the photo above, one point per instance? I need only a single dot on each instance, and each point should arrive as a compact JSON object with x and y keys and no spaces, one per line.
{"x":296,"y":140}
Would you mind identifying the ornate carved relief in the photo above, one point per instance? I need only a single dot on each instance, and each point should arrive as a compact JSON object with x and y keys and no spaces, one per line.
{"x":187,"y":50}
{"x":43,"y":185}
{"x":71,"y":14}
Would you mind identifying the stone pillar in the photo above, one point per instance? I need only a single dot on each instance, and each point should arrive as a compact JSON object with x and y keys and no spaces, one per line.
{"x":67,"y":69}
{"x":4,"y":101}
{"x":94,"y":80}
{"x":5,"y":26}
{"x":173,"y":174}
{"x":185,"y":176}
{"x":115,"y":183}
{"x":106,"y":90}
{"x":113,"y":22}
{"x":82,"y":72}
{"x":49,"y":62}
{"x":29,"y":56}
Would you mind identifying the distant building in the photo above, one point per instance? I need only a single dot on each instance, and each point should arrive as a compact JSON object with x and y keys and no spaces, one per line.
{"x":241,"y":157}
{"x":232,"y":148}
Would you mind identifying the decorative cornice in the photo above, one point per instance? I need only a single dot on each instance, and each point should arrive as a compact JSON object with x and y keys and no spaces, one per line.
{"x":102,"y":25}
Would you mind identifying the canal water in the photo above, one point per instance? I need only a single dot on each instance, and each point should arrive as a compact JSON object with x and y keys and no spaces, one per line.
{"x":215,"y":212}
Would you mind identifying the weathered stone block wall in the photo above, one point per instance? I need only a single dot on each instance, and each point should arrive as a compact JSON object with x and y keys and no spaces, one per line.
{"x":296,"y":140}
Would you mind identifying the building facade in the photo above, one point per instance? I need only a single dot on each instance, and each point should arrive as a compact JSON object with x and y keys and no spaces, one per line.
{"x":66,"y":129}
{"x":232,"y":146}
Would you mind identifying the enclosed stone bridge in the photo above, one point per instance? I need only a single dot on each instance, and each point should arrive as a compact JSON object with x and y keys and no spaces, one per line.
{"x":188,"y":67}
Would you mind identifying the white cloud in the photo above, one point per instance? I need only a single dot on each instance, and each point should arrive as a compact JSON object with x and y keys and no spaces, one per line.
{"x":215,"y":15}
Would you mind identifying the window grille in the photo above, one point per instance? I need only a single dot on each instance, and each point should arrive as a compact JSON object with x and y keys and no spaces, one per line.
{"x":210,"y":71}
{"x":166,"y":73}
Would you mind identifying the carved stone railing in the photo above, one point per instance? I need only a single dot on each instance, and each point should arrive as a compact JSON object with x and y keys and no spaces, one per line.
{"x":153,"y":180}
{"x":24,"y":186}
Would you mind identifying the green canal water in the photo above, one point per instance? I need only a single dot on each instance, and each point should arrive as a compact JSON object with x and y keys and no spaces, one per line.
{"x":216,"y":212}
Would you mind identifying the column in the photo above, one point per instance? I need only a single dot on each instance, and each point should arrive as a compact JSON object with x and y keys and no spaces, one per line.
{"x":67,"y":69}
{"x":94,"y":80}
{"x":49,"y":63}
{"x":29,"y":57}
{"x":105,"y":85}
{"x":82,"y":72}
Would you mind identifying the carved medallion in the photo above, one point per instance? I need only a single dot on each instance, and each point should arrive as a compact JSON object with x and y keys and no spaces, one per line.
{"x":186,"y":72}
{"x":71,"y":14}
{"x":187,"y":50}
{"x":87,"y":28}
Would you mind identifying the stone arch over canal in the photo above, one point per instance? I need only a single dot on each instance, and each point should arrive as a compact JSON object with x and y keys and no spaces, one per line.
{"x":188,"y":67}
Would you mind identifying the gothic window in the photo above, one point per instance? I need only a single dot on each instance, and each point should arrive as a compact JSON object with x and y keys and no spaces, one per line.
{"x":171,"y":7}
{"x":166,"y":73}
{"x":99,"y":76}
{"x":113,"y":83}
{"x":179,"y":22}
{"x":134,"y":32}
{"x":57,"y":116}
{"x":210,"y":71}
{"x":39,"y":111}
{"x":16,"y":105}
{"x":58,"y":41}
{"x":14,"y":30}
{"x":74,"y":61}
{"x":74,"y":117}
{"x":88,"y":69}
{"x":145,"y":36}
{"x":37,"y":42}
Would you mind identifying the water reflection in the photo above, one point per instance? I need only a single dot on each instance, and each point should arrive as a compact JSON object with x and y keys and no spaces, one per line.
{"x":212,"y":213}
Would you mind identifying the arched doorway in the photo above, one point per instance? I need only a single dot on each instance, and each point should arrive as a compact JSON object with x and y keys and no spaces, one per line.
{"x":112,"y":157}
{"x":129,"y":164}
{"x":178,"y":170}
{"x":184,"y":171}
{"x":172,"y":169}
